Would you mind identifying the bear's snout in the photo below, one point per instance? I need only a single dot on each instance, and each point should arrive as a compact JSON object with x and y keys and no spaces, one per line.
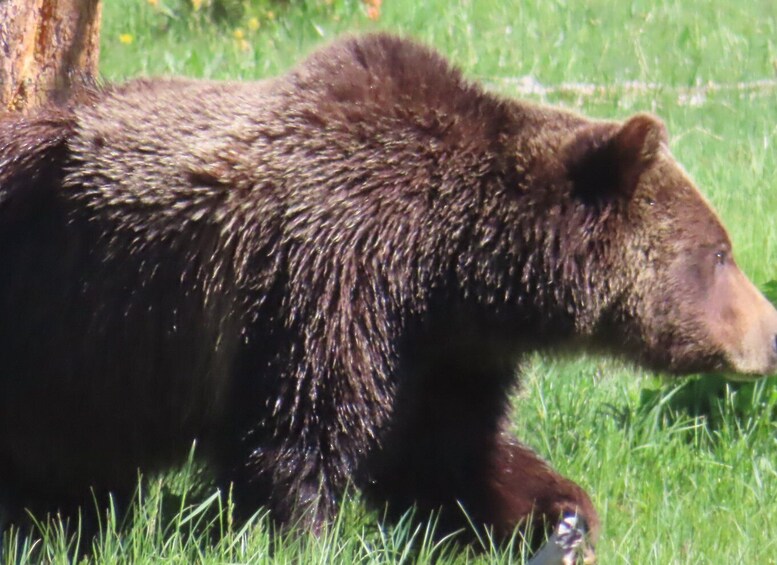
{"x":745,"y":326}
{"x":765,"y":340}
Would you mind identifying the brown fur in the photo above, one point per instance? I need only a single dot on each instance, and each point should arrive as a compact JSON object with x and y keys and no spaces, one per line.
{"x":329,"y":278}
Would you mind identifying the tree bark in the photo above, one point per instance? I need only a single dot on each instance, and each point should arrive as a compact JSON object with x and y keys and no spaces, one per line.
{"x":45,"y":45}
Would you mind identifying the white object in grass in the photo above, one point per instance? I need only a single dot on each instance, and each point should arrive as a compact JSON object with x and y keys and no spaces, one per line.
{"x":567,"y":545}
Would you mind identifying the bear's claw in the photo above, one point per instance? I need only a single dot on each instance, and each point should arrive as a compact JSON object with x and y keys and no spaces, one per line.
{"x":567,"y":545}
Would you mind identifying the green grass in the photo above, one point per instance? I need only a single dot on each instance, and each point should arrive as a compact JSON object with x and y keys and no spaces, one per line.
{"x":671,"y":488}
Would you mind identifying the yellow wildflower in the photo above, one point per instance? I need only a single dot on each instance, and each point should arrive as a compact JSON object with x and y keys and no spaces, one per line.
{"x":196,"y":4}
{"x":253,"y":24}
{"x":126,"y":38}
{"x":270,"y":15}
{"x":153,"y":3}
{"x":239,"y":34}
{"x":243,"y":45}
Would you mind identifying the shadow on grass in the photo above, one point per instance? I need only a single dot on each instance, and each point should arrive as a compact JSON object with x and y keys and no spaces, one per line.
{"x":709,"y":402}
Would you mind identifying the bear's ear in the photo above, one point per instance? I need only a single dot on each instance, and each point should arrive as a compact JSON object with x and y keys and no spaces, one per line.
{"x":605,"y":161}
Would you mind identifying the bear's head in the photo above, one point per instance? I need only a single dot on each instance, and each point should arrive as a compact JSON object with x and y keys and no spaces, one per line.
{"x":675,"y":298}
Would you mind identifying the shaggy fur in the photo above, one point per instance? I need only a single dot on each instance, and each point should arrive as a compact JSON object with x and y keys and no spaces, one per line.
{"x":328,"y":279}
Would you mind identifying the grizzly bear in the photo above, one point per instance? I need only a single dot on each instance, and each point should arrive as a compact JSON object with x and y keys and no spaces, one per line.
{"x":329,"y":278}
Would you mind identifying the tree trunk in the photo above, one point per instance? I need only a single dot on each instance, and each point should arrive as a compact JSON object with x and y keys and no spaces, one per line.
{"x":44,"y":46}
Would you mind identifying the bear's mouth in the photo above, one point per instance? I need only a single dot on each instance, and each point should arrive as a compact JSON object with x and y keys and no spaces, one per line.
{"x":684,"y":360}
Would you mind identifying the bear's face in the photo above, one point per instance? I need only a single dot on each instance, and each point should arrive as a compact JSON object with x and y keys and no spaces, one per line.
{"x":680,"y":302}
{"x":702,"y":312}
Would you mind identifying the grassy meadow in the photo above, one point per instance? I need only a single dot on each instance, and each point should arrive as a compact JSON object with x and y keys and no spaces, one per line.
{"x":673,"y":483}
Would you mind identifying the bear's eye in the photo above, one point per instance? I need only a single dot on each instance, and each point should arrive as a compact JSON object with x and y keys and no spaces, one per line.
{"x":721,"y":257}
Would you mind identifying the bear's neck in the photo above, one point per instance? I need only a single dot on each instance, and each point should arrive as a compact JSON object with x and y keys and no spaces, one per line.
{"x":524,"y":266}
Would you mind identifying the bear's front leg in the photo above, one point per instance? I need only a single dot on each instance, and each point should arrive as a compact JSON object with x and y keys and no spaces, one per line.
{"x":521,"y":490}
{"x":290,"y":482}
{"x":447,"y":451}
{"x":567,"y":545}
{"x":504,"y":488}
